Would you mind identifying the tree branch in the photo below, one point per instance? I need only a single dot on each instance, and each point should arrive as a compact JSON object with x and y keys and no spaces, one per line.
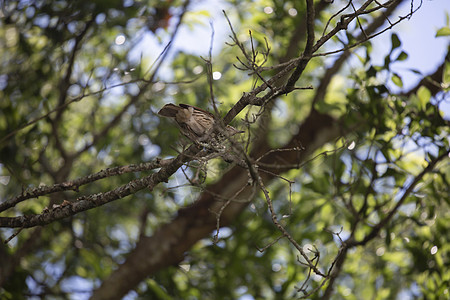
{"x":75,"y":184}
{"x":84,"y":203}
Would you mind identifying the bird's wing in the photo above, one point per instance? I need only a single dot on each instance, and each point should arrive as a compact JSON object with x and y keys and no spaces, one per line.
{"x":186,"y":106}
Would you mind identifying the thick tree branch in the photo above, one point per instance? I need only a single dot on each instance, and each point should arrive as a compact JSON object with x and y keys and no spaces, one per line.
{"x":300,"y":30}
{"x":75,"y":184}
{"x":84,"y":203}
{"x":306,"y":56}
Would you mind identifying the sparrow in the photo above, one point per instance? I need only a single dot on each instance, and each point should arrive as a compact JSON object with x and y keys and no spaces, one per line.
{"x":195,"y":123}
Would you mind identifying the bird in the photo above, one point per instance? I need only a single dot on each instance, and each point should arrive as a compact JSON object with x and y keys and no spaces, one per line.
{"x":195,"y":123}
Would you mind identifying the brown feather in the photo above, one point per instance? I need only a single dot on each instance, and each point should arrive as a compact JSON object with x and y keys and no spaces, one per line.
{"x":186,"y":106}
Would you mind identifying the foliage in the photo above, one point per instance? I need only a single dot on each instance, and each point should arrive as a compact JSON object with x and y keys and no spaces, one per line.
{"x":338,"y":191}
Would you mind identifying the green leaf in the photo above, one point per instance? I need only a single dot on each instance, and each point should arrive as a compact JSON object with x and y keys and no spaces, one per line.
{"x":395,"y":41}
{"x":444,"y":31}
{"x":446,"y":79}
{"x":402,"y":56}
{"x":424,"y":96}
{"x":387,"y":61}
{"x":397,"y":80}
{"x":415,"y":71}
